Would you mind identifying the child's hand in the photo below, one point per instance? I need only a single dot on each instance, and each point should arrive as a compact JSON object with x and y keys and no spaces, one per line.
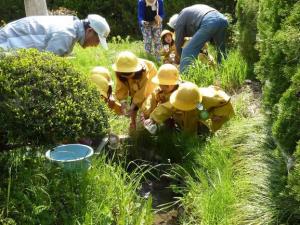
{"x":124,"y":108}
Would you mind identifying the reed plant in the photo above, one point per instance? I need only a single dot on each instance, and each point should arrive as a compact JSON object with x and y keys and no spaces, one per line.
{"x":34,"y":191}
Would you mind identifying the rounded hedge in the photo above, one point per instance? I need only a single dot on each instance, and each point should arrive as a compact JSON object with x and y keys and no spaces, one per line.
{"x":46,"y":101}
{"x":286,"y":126}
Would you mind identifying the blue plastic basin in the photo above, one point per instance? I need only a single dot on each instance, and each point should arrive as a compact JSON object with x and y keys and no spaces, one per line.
{"x":71,"y":156}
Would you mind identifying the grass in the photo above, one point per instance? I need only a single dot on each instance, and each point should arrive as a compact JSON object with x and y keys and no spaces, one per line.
{"x":232,"y":177}
{"x":33,"y":191}
{"x":237,"y":176}
{"x":230,"y":75}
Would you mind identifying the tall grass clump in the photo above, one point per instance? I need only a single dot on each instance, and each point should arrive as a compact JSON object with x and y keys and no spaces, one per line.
{"x":209,"y":193}
{"x":35,"y":191}
{"x":293,"y":188}
{"x":237,"y":176}
{"x":229,"y":75}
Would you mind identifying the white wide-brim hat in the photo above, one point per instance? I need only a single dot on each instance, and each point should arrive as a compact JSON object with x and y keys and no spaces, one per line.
{"x":101,"y":27}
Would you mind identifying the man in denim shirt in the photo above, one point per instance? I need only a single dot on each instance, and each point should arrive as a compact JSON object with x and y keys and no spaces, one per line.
{"x":203,"y":23}
{"x":57,"y":34}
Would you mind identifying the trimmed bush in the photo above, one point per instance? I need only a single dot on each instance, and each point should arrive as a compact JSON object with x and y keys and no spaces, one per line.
{"x":286,"y":126}
{"x":279,"y":45}
{"x":45,"y":101}
{"x":246,"y":11}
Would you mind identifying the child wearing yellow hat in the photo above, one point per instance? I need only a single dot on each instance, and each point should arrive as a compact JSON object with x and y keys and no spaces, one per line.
{"x":168,"y":80}
{"x":133,"y":79}
{"x":168,"y":51}
{"x":101,"y":77}
{"x":193,"y":108}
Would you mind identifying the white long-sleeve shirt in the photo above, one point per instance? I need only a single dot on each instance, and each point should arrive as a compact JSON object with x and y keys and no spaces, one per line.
{"x":57,"y":34}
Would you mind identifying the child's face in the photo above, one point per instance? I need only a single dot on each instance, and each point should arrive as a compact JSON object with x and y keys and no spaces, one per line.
{"x":167,"y":88}
{"x":168,"y":38}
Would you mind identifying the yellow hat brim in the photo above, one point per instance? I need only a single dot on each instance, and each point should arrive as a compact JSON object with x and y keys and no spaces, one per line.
{"x":158,"y":81}
{"x":124,"y":69}
{"x":180,"y":105}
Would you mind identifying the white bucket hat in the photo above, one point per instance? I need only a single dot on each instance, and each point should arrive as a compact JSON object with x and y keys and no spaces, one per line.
{"x":172,"y":21}
{"x":101,"y":27}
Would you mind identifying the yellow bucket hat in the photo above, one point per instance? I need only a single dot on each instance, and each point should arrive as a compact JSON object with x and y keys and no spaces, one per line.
{"x":186,"y":97}
{"x":101,"y":83}
{"x":127,"y":62}
{"x":164,"y":32}
{"x":167,"y":74}
{"x":104,"y":72}
{"x":214,"y":96}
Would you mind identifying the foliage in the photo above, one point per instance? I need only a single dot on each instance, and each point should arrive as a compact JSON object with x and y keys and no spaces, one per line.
{"x":286,"y":126}
{"x":278,"y":25}
{"x":114,"y":11}
{"x":209,"y":197}
{"x":229,"y":75}
{"x":45,"y":101}
{"x":238,"y":178}
{"x":11,"y":10}
{"x":294,"y":178}
{"x":35,"y":191}
{"x":247,"y":11}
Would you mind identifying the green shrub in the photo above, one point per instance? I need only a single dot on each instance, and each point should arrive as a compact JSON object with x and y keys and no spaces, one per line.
{"x":11,"y":10}
{"x":114,"y":11}
{"x":45,"y":101}
{"x":278,"y":46}
{"x":247,"y":11}
{"x":286,"y":126}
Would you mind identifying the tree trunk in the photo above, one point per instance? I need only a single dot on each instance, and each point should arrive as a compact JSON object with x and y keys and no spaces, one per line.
{"x":35,"y":7}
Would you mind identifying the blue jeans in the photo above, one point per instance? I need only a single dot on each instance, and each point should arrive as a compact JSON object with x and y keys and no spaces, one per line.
{"x":213,"y":27}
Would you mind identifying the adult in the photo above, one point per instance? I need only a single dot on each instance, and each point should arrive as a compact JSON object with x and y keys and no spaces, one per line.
{"x":150,"y":16}
{"x":57,"y":34}
{"x":203,"y":23}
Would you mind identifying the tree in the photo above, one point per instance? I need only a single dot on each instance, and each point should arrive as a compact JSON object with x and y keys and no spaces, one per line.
{"x":35,"y":7}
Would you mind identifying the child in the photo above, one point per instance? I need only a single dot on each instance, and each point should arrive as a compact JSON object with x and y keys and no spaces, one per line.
{"x":101,"y":77}
{"x":133,"y":79}
{"x":168,"y":80}
{"x":194,"y":110}
{"x":168,"y":51}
